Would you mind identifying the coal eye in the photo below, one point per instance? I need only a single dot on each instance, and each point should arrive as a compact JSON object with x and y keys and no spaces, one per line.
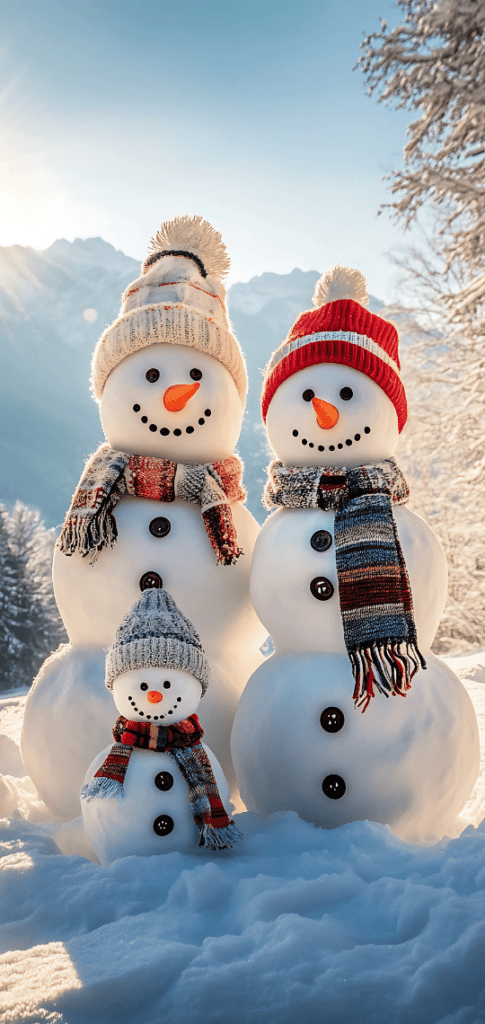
{"x":308,"y":395}
{"x":143,"y":686}
{"x":196,"y":374}
{"x":152,"y":375}
{"x":346,"y":394}
{"x":166,"y":685}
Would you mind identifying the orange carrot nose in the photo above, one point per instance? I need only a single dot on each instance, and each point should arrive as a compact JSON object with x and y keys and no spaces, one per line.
{"x":327,"y":415}
{"x":177,"y":396}
{"x":154,"y":696}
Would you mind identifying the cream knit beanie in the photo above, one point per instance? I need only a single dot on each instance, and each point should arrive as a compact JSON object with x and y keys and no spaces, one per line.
{"x":154,"y":633}
{"x":179,"y":299}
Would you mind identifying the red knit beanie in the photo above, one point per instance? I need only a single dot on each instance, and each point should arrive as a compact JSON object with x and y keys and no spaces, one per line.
{"x":340,"y":330}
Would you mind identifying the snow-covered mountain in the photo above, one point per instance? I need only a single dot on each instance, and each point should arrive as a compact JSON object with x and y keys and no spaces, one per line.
{"x":53,"y":307}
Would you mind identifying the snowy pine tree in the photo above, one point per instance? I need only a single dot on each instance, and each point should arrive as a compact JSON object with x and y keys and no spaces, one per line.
{"x":30,"y":625}
{"x":8,"y":644}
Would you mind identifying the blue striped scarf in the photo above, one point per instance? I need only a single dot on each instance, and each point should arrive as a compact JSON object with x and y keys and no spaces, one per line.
{"x":375,"y":594}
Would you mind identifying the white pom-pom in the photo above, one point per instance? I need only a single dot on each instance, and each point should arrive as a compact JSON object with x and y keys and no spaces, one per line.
{"x":341,"y":283}
{"x":194,"y":235}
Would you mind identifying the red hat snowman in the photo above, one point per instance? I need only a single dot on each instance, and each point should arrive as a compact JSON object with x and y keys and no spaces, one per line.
{"x":332,"y":392}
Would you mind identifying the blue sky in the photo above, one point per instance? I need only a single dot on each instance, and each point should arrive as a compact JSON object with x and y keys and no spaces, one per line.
{"x":116,"y":115}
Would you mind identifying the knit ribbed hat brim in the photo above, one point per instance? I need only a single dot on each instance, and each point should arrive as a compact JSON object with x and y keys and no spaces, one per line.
{"x":172,"y":324}
{"x":157,"y":652}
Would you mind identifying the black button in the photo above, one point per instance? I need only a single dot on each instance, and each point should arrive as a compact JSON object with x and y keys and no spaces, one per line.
{"x":332,"y":719}
{"x":321,"y":540}
{"x":321,"y":588}
{"x":160,"y":526}
{"x":151,"y":581}
{"x":164,"y":781}
{"x":163,"y":825}
{"x":334,"y":787}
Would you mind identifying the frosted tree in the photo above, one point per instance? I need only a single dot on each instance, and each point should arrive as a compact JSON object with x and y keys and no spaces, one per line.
{"x":437,"y":466}
{"x":433,"y":64}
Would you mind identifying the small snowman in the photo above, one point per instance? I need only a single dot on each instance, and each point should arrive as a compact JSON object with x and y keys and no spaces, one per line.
{"x":158,"y":788}
{"x":351,"y":585}
{"x":159,"y":504}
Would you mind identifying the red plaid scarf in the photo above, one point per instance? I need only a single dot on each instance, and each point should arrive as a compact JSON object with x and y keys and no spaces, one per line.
{"x":182,"y":741}
{"x":90,"y":526}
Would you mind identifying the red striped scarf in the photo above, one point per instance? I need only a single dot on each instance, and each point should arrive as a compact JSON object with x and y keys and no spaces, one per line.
{"x":182,"y":742}
{"x":90,"y":526}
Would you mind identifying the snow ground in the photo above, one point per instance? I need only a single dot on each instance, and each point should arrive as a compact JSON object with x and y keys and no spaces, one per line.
{"x":297,"y":926}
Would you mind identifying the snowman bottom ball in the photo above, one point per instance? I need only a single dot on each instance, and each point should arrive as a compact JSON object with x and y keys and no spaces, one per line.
{"x":153,"y":815}
{"x":410,"y":762}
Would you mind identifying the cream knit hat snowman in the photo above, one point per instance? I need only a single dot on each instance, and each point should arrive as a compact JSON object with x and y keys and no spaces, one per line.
{"x":154,"y":633}
{"x":179,"y":299}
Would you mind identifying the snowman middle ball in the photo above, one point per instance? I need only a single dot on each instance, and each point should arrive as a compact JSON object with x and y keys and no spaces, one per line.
{"x":158,"y":788}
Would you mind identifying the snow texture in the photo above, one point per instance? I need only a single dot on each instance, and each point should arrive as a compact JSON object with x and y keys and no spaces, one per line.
{"x":298,"y":925}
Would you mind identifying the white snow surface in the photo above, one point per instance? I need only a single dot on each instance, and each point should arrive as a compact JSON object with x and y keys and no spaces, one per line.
{"x":297,"y":924}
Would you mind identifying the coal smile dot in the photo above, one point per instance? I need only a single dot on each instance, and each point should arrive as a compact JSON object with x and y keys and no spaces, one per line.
{"x":172,"y":709}
{"x":321,"y":448}
{"x":165,"y":430}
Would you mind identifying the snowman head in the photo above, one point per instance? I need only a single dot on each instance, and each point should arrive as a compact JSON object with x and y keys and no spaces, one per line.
{"x":332,"y":392}
{"x":168,"y":373}
{"x":172,"y":402}
{"x":164,"y":696}
{"x":156,"y":668}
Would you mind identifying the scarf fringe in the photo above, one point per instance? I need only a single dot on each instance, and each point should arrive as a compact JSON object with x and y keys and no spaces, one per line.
{"x":89,"y":536}
{"x":104,"y":788}
{"x":220,"y":838}
{"x":387,"y":667}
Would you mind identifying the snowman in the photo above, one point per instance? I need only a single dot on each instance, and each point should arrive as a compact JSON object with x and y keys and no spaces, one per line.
{"x":351,"y":585}
{"x":158,"y":789}
{"x":160,"y":504}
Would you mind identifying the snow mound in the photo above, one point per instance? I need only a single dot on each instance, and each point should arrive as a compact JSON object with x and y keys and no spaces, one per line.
{"x":298,"y":925}
{"x":302,"y":925}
